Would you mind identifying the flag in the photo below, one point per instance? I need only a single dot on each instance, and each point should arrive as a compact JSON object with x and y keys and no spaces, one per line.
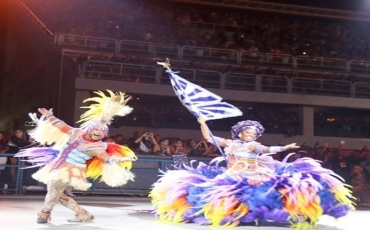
{"x":200,"y":101}
{"x":180,"y":161}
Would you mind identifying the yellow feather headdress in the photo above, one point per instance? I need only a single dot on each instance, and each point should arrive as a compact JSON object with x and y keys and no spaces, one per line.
{"x":105,"y":108}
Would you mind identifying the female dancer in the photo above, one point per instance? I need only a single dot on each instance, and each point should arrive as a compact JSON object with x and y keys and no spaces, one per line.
{"x":253,"y":187}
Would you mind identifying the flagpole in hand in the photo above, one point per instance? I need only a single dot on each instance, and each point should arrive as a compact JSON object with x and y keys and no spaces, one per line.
{"x":200,"y":102}
{"x":166,"y":64}
{"x":207,"y":134}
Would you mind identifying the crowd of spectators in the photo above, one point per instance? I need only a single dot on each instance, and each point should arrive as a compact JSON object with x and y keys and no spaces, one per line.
{"x":181,"y":24}
{"x":289,"y":123}
{"x":353,"y":165}
{"x":162,"y":113}
{"x":82,"y":58}
{"x":151,"y":21}
{"x":356,"y":126}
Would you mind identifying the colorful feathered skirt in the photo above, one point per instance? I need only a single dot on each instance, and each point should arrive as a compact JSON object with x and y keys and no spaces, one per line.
{"x":298,"y":193}
{"x":114,"y":174}
{"x":67,"y":173}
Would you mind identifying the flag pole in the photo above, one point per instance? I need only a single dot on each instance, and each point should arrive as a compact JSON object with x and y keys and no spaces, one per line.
{"x":215,"y":142}
{"x":166,"y":65}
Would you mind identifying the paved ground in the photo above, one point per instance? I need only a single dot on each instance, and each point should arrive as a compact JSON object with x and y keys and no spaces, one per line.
{"x":129,"y":213}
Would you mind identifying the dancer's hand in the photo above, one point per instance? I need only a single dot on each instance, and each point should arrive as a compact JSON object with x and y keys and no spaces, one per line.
{"x":291,"y":146}
{"x":201,"y":119}
{"x":132,"y":158}
{"x":203,"y":127}
{"x":122,"y":159}
{"x":128,"y":159}
{"x":45,"y":112}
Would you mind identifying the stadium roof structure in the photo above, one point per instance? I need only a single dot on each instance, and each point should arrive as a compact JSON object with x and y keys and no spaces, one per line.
{"x":283,"y":8}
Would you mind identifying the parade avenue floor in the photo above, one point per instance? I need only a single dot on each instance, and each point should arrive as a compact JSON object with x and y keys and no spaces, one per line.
{"x":131,"y":213}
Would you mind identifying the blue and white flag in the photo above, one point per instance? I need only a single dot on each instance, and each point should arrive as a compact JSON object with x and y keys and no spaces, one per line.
{"x":201,"y":101}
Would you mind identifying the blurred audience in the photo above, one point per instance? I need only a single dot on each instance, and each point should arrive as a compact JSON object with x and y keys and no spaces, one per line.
{"x":183,"y":24}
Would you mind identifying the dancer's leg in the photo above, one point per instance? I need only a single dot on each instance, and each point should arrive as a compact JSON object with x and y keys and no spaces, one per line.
{"x":81,"y":214}
{"x":68,"y":191}
{"x":55,"y":189}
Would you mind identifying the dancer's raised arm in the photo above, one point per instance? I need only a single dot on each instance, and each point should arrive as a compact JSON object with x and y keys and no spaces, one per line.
{"x":48,"y":114}
{"x":204,"y":128}
{"x":207,"y":136}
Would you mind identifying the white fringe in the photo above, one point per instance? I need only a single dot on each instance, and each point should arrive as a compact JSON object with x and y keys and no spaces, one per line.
{"x":46,"y":133}
{"x":114,"y":176}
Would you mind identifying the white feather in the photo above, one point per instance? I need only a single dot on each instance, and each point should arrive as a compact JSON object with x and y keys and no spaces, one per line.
{"x":46,"y":133}
{"x":124,"y":110}
{"x":114,"y":176}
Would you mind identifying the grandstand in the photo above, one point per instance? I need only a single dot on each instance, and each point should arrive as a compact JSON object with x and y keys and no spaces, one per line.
{"x":302,"y":68}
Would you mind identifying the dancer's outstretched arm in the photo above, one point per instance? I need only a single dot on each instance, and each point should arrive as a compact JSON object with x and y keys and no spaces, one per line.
{"x":107,"y":158}
{"x":274,"y":149}
{"x":48,"y":113}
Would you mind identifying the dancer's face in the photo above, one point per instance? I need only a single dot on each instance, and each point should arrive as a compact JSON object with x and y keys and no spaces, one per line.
{"x":248,"y":134}
{"x":96,"y":134}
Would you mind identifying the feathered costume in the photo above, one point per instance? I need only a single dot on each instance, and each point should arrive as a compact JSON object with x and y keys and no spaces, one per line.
{"x":252,"y":188}
{"x":73,"y":156}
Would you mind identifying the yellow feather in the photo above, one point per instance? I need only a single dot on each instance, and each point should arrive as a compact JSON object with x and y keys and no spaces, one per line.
{"x":105,"y":108}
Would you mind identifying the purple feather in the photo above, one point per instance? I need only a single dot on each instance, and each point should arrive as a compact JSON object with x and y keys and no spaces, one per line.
{"x":201,"y":220}
{"x":338,"y":211}
{"x":276,"y":215}
{"x":263,"y":213}
{"x":38,"y":156}
{"x":265,"y":203}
